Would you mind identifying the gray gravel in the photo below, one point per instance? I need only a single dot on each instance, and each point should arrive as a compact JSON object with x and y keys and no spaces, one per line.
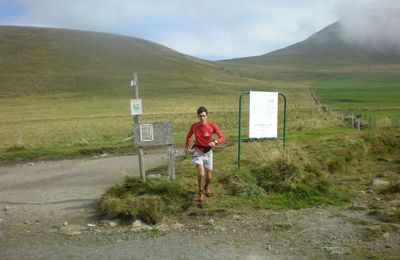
{"x":47,"y":211}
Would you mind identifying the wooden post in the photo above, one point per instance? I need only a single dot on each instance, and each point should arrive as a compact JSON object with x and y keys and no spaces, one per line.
{"x":135,"y":86}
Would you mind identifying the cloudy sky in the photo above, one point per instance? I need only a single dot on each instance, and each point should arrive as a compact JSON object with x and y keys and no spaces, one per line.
{"x":208,"y":29}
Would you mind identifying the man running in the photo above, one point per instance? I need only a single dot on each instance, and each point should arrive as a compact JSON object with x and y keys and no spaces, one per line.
{"x":203,"y":155}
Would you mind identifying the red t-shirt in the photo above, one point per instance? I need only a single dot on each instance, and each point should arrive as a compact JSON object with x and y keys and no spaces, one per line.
{"x":203,"y":134}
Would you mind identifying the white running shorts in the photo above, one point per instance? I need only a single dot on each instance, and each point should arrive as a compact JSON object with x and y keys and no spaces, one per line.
{"x":206,"y":159}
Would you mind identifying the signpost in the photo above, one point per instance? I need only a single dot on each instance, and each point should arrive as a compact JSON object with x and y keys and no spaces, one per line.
{"x":263,"y":117}
{"x":150,"y":134}
{"x":157,"y":134}
{"x":136,"y":111}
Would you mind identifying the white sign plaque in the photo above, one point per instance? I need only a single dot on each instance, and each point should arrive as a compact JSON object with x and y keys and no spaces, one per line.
{"x":136,"y":107}
{"x":263,"y":117}
{"x":146,"y":133}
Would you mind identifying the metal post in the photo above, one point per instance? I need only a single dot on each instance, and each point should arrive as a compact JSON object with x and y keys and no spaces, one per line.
{"x":352,"y":120}
{"x":171,"y":162}
{"x":284,"y":121}
{"x":135,"y":85}
{"x":240,"y":126}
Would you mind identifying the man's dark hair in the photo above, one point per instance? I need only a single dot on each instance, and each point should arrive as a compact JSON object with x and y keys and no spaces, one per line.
{"x":201,"y":110}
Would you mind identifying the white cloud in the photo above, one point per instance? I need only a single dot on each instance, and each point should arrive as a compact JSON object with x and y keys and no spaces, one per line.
{"x":373,"y":24}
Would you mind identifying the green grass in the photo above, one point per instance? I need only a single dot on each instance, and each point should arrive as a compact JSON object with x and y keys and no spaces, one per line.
{"x":375,"y":95}
{"x":66,"y":93}
{"x":307,"y":174}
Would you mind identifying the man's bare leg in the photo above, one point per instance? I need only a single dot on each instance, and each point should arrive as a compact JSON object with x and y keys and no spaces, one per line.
{"x":200,"y":176}
{"x":207,"y":182}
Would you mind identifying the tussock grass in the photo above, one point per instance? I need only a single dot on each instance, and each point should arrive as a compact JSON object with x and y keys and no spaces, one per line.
{"x":301,"y":176}
{"x":241,"y":183}
{"x":278,"y":176}
{"x":148,"y":201}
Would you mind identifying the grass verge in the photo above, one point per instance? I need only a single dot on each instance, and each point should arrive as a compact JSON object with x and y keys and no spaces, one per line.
{"x":307,"y":174}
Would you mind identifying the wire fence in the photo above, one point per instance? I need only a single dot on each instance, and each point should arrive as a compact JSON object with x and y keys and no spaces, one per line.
{"x":357,"y":119}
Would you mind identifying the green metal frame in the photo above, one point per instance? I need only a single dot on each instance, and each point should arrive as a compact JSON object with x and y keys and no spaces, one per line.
{"x":240,"y":139}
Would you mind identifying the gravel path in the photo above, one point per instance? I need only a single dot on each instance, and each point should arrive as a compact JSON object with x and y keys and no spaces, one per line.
{"x":47,"y":211}
{"x":59,"y":188}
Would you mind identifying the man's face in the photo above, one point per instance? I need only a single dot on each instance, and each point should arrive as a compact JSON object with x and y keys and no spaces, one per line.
{"x":203,"y":118}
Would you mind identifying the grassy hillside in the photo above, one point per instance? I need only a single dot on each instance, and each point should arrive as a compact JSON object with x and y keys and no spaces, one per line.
{"x":345,"y":77}
{"x":325,"y":48}
{"x":38,"y":60}
{"x":66,"y":92}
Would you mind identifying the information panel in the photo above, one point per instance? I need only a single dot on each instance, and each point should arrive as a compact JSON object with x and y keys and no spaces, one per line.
{"x":263,"y":117}
{"x":154,"y":134}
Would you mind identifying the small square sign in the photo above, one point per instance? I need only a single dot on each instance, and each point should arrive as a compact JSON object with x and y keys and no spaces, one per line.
{"x":154,"y":134}
{"x":146,"y":133}
{"x":136,"y":107}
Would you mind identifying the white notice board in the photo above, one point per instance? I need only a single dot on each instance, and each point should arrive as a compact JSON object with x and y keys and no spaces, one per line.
{"x":263,"y":117}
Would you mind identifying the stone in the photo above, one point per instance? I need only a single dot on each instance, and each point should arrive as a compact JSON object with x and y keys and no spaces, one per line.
{"x":360,"y":207}
{"x":163,"y":228}
{"x":109,"y":223}
{"x":154,"y":176}
{"x":394,"y":203}
{"x":65,"y":224}
{"x":219,"y":228}
{"x":375,"y":230}
{"x":6,"y":208}
{"x":379,"y":182}
{"x":237,"y":217}
{"x":139,"y":226}
{"x":335,"y":250}
{"x":386,"y":235}
{"x":211,"y":221}
{"x":112,"y":224}
{"x":178,"y":226}
{"x":72,"y":230}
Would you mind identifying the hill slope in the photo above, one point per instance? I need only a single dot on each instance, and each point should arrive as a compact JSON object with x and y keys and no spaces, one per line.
{"x":57,"y":60}
{"x":326,"y":47}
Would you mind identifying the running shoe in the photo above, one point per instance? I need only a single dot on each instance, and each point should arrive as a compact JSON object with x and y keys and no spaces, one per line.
{"x":200,"y":197}
{"x":207,"y":192}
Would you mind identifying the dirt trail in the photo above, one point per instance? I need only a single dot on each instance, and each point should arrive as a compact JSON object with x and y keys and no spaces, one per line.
{"x":61,"y":188}
{"x":36,"y":199}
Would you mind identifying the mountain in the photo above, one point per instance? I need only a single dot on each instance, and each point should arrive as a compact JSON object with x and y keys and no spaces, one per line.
{"x":326,"y":47}
{"x":36,"y":60}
